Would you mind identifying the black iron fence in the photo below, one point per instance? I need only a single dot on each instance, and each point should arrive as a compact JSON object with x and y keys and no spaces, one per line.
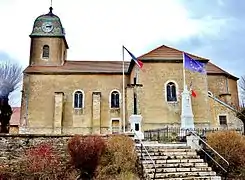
{"x":174,"y":134}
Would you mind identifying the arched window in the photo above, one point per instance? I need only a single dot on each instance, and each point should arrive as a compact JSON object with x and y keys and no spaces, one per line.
{"x":171,"y":92}
{"x":78,"y":99}
{"x":45,"y":51}
{"x":114,"y":99}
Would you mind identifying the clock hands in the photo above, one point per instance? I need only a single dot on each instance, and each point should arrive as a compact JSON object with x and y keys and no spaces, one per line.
{"x":47,"y":27}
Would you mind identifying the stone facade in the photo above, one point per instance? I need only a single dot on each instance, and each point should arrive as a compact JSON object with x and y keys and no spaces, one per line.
{"x":50,"y":106}
{"x":56,"y":45}
{"x":51,"y":81}
{"x":42,"y":95}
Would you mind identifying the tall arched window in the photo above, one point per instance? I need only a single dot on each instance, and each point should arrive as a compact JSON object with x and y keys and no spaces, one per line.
{"x":171,"y":92}
{"x":78,"y":99}
{"x":114,"y":99}
{"x":45,"y":51}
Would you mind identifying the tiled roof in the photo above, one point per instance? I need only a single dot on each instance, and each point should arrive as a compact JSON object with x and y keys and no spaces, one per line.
{"x":115,"y":67}
{"x":81,"y":67}
{"x":213,"y":69}
{"x":165,"y":52}
{"x":15,"y":118}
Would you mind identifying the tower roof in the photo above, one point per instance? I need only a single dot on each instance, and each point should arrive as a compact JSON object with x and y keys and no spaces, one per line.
{"x":48,"y":25}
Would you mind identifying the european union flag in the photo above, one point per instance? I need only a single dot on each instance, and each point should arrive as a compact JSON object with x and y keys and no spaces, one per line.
{"x":194,"y":65}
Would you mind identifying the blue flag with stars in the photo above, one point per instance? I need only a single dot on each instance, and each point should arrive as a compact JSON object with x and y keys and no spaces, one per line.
{"x":193,"y":65}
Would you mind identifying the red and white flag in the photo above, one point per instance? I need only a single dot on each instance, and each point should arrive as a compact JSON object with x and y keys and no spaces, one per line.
{"x":193,"y":93}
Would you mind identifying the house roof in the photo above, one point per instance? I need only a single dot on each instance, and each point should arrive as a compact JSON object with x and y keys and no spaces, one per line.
{"x":115,"y":67}
{"x":73,"y":67}
{"x":214,"y":69}
{"x":169,"y":53}
{"x":15,"y":118}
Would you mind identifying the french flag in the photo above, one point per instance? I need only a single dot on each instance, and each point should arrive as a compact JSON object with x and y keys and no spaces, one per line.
{"x":137,"y":61}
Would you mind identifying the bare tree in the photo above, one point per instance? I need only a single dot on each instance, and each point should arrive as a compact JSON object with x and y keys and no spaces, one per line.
{"x":10,"y":80}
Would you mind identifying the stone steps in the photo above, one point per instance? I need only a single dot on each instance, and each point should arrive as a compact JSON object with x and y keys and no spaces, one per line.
{"x":169,"y":161}
{"x":178,"y":162}
{"x":184,"y":174}
{"x":195,"y":169}
{"x":196,"y":178}
{"x":176,"y":153}
{"x":153,"y":157}
{"x":176,"y":165}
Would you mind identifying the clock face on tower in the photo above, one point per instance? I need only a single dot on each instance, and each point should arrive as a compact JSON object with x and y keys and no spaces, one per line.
{"x":47,"y":26}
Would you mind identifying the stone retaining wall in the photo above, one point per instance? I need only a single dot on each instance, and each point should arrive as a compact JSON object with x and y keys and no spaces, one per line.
{"x":12,"y":146}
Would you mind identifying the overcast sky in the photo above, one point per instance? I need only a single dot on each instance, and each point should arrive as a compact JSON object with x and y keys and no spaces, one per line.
{"x":96,"y":29}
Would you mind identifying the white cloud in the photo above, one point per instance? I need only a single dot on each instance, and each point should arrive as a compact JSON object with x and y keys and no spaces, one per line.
{"x":96,"y":30}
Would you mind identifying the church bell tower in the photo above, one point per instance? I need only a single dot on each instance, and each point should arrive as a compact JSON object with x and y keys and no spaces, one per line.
{"x":48,"y":43}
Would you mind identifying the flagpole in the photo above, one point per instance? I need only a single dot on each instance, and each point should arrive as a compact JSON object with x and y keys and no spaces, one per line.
{"x":183,"y":70}
{"x":123,"y":91}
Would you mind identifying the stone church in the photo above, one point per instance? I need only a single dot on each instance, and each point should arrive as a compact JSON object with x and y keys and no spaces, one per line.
{"x":67,"y":97}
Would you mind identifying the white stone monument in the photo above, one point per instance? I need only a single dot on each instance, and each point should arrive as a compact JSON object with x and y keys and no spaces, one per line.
{"x":135,"y":126}
{"x":187,"y":121}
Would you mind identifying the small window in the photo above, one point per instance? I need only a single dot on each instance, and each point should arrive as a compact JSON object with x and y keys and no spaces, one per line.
{"x":78,"y":99}
{"x":115,"y":99}
{"x":223,"y":120}
{"x":171,"y":92}
{"x":45,"y":51}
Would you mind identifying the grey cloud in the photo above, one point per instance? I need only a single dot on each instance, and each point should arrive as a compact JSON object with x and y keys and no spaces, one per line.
{"x":227,"y":50}
{"x":228,"y":8}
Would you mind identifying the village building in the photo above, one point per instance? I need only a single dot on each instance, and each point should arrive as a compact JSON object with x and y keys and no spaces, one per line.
{"x":69,"y":97}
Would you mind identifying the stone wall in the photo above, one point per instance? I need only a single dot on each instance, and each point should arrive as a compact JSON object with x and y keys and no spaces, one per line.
{"x":45,"y":111}
{"x":156,"y":111}
{"x":218,"y":109}
{"x":219,"y":84}
{"x":38,"y":102}
{"x":57,"y":51}
{"x":13,"y":146}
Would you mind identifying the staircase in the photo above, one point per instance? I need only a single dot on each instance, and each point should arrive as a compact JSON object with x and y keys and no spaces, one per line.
{"x":173,"y":162}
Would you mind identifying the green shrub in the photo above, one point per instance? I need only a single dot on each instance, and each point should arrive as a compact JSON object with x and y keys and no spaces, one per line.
{"x":231,"y":146}
{"x":119,"y":158}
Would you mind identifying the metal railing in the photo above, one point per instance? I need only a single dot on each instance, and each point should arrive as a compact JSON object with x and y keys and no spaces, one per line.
{"x":176,"y":134}
{"x":141,"y":154}
{"x":200,"y":139}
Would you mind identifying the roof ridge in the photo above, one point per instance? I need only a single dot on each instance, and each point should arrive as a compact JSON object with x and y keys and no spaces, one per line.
{"x":171,"y":48}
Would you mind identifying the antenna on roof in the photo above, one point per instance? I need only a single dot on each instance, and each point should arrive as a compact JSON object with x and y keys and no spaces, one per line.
{"x":51,"y":3}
